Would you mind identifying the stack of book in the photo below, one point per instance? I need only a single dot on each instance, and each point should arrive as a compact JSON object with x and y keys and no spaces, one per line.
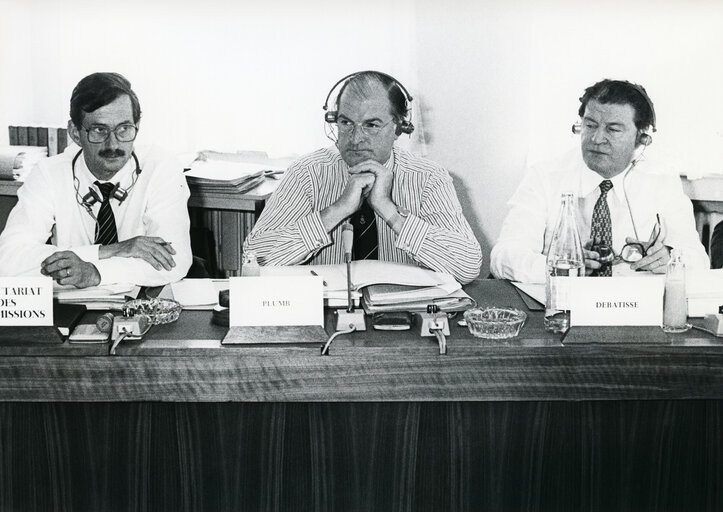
{"x":55,"y":140}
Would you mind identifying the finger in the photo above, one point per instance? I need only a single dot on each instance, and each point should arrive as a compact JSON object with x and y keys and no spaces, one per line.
{"x":593,"y":255}
{"x":57,"y":265}
{"x":653,"y":260}
{"x":55,"y":257}
{"x":371,"y":166}
{"x":159,"y":258}
{"x":592,"y":264}
{"x":631,"y":240}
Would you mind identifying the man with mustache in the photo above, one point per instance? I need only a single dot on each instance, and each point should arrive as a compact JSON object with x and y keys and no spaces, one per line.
{"x":105,"y":213}
{"x":404,"y":208}
{"x":621,"y":198}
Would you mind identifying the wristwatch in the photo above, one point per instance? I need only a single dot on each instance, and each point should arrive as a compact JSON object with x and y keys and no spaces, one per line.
{"x":403,"y":212}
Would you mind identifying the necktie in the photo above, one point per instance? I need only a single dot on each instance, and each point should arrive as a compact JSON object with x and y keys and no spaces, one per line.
{"x":601,"y":230}
{"x":366,"y":244}
{"x":105,"y":230}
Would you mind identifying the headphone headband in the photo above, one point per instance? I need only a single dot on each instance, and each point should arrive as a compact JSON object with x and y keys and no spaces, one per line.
{"x":643,"y":138}
{"x":330,"y":116}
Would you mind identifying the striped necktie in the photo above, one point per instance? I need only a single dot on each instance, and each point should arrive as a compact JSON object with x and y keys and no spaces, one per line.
{"x":601,"y":229}
{"x":105,"y":230}
{"x":366,"y":242}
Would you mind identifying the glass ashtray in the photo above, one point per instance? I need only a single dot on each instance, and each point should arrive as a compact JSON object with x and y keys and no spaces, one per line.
{"x":158,"y":311}
{"x":495,"y":323}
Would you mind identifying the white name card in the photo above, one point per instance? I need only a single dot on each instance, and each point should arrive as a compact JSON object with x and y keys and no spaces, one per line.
{"x":617,"y":300}
{"x":26,"y":301}
{"x":287,"y":300}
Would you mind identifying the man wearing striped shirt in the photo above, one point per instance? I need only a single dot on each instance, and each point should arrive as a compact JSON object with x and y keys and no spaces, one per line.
{"x":415,"y":208}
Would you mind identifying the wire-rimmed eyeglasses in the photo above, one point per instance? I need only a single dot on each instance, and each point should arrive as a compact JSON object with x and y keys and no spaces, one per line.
{"x":123,"y":133}
{"x":368,"y":128}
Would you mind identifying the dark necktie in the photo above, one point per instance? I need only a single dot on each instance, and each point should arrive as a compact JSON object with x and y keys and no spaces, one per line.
{"x":601,"y":231}
{"x":366,"y":244}
{"x":105,"y":230}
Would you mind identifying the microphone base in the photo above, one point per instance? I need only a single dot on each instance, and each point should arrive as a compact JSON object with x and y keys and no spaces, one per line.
{"x":345,"y":320}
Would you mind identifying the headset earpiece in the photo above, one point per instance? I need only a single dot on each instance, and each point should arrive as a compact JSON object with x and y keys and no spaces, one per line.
{"x":119,"y":193}
{"x":330,"y":116}
{"x":577,"y":128}
{"x":645,"y":139}
{"x":405,"y":127}
{"x":91,"y":198}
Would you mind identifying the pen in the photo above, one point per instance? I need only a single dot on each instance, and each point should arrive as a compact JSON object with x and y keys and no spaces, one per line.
{"x":317,"y":275}
{"x":165,"y":244}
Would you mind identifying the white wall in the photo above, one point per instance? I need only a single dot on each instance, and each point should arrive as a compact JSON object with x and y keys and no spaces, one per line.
{"x":496,"y":83}
{"x":218,"y":74}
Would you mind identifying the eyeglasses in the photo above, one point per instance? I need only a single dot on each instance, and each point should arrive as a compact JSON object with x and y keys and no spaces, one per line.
{"x":630,"y":253}
{"x":100,"y":133}
{"x":368,"y":128}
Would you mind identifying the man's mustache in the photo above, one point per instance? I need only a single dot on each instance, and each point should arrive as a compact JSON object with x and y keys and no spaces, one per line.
{"x":110,"y":153}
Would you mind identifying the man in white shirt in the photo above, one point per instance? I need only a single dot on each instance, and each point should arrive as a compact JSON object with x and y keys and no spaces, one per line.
{"x":111,"y":214}
{"x":611,"y":182}
{"x":404,"y":207}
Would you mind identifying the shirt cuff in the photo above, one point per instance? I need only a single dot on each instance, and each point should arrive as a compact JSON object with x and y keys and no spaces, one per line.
{"x":412,"y":235}
{"x":313,"y":233}
{"x":87,"y":253}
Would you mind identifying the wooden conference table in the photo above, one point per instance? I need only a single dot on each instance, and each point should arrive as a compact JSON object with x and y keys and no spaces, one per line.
{"x":613,"y":419}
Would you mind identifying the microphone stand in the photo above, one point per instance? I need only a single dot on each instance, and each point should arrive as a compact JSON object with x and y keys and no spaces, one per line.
{"x":349,"y":319}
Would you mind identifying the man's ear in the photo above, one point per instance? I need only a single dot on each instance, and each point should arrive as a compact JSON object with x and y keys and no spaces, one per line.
{"x":74,"y":132}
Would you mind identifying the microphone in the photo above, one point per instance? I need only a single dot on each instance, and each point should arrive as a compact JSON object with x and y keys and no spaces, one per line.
{"x":347,"y":239}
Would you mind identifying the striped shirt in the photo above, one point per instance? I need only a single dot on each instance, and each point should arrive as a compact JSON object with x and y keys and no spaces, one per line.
{"x":435,"y":235}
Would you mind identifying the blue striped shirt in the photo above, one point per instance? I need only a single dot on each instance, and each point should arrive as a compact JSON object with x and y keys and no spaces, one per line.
{"x":435,"y":235}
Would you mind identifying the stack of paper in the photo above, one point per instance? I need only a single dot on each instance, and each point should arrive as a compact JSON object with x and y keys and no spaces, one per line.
{"x":16,"y":161}
{"x":704,"y":290}
{"x":387,"y":286}
{"x":97,"y":297}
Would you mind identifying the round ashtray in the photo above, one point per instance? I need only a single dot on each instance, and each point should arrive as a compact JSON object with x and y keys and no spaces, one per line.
{"x":158,"y":311}
{"x":495,"y":323}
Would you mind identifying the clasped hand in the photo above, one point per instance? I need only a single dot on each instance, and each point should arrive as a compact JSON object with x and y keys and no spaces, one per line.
{"x":151,"y":249}
{"x":368,"y":180}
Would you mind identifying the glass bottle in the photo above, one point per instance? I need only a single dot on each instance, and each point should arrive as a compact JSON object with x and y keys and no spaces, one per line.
{"x":675,"y":305}
{"x":564,"y":260}
{"x":249,"y":264}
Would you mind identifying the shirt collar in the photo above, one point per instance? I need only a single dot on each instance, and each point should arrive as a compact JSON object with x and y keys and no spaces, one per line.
{"x":590,"y":182}
{"x":81,"y":170}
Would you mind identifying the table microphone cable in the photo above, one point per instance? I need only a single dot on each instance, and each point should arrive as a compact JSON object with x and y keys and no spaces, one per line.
{"x":325,"y":348}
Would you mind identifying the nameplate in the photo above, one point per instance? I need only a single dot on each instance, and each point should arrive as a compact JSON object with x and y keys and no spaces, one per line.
{"x":288,"y":300}
{"x":617,"y":300}
{"x":26,"y":301}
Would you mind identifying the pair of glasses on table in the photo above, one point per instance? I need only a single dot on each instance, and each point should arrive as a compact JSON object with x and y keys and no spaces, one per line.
{"x":630,"y":253}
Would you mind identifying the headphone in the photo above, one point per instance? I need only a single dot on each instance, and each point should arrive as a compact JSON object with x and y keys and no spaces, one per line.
{"x":92,"y":196}
{"x":643,"y":139}
{"x":405,"y":126}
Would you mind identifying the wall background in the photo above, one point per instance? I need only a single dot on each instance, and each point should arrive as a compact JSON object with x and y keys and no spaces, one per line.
{"x":495,"y":83}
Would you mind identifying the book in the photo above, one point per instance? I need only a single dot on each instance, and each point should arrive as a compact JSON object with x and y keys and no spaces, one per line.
{"x":32,"y":136}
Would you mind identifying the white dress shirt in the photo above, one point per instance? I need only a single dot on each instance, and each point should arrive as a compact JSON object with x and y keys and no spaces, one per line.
{"x":435,"y":234}
{"x":638,"y":194}
{"x":48,"y":206}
